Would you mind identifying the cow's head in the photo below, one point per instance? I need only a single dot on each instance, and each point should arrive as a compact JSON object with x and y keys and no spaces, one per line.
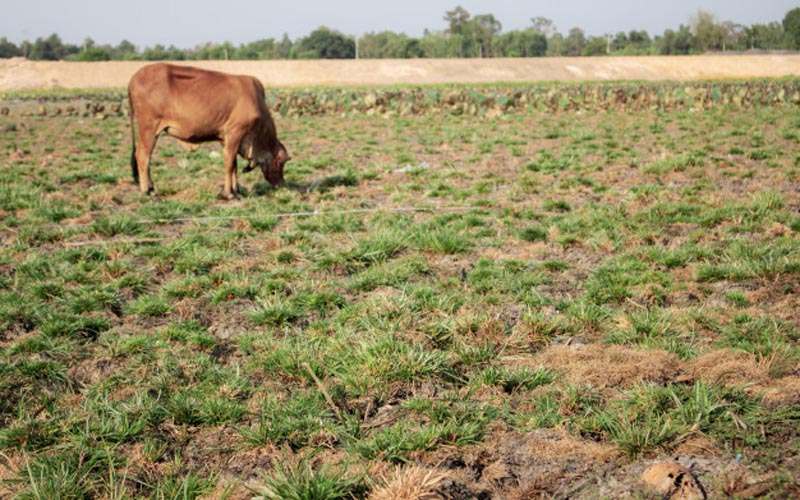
{"x":271,"y":164}
{"x":273,"y":170}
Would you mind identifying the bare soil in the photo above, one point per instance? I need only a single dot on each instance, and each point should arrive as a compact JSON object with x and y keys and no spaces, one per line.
{"x":21,"y":74}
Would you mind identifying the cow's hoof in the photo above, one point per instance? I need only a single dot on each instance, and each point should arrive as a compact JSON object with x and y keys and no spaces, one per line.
{"x":228,"y":197}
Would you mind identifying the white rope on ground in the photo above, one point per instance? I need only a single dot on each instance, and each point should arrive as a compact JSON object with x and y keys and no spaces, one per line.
{"x":307,"y":214}
{"x":236,"y":217}
{"x":129,"y":241}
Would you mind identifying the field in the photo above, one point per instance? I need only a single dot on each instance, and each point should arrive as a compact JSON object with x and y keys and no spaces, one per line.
{"x":528,"y":301}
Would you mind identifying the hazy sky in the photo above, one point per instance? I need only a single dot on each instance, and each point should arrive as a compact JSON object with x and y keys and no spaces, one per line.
{"x":187,"y":23}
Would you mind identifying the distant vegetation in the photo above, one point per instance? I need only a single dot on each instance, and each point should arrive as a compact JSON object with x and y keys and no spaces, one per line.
{"x":465,"y":36}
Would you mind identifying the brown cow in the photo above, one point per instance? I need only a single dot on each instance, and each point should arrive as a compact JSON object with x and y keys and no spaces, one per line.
{"x":195,"y":106}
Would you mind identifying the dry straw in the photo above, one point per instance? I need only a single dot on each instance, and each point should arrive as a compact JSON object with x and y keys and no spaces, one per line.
{"x":413,"y":483}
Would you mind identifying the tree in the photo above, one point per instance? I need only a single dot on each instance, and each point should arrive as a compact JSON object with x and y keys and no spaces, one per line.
{"x":439,"y":44}
{"x":50,"y":49}
{"x":8,"y":49}
{"x":679,"y":42}
{"x":619,"y":42}
{"x":639,"y":42}
{"x":791,"y":25}
{"x":555,"y":44}
{"x":595,"y":46}
{"x":457,"y":20}
{"x":766,"y":36}
{"x":125,"y":51}
{"x":386,"y":44}
{"x":284,"y":48}
{"x":573,"y":44}
{"x":708,"y":34}
{"x":468,"y":35}
{"x":324,"y":43}
{"x":732,"y":34}
{"x":522,"y":43}
{"x":259,"y":49}
{"x":159,"y":53}
{"x":413,"y":49}
{"x":223,"y":51}
{"x":91,"y":52}
{"x":487,"y":28}
{"x":543,"y":25}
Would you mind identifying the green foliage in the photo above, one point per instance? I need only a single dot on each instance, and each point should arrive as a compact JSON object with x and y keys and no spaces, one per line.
{"x":743,"y":260}
{"x":763,"y":336}
{"x":111,"y":226}
{"x":533,"y":233}
{"x":324,"y":43}
{"x":649,"y":417}
{"x":655,"y":330}
{"x":453,"y":422}
{"x":67,"y":475}
{"x":8,"y":48}
{"x":618,"y":279}
{"x":293,"y":421}
{"x":276,"y":311}
{"x":791,"y":25}
{"x":189,"y":486}
{"x":521,"y":43}
{"x":89,"y":54}
{"x":511,"y":380}
{"x":299,"y":481}
{"x":150,"y":306}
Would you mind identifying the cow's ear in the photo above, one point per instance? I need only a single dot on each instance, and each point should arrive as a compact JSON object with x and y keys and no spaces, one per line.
{"x":283,"y":156}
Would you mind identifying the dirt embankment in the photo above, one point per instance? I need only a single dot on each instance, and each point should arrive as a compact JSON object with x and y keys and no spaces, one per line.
{"x":21,"y":74}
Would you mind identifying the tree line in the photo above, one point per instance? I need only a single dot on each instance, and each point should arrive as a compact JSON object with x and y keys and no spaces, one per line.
{"x":465,"y":36}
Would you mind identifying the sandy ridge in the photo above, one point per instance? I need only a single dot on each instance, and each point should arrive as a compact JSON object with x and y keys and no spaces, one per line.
{"x":21,"y":74}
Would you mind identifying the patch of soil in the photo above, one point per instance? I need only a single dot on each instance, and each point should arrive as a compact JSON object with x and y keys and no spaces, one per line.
{"x":551,"y":463}
{"x":93,"y":370}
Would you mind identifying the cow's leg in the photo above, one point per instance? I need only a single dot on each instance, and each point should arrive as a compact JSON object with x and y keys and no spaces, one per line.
{"x":235,"y":179}
{"x":230,"y":150}
{"x":144,"y":148}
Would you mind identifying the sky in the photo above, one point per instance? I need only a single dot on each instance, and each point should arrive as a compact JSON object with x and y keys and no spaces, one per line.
{"x":188,"y":23}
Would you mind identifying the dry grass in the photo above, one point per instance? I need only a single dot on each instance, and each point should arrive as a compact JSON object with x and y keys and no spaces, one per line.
{"x":603,"y":366}
{"x":411,"y":483}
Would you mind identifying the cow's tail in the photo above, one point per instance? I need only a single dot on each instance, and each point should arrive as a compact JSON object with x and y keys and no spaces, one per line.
{"x":134,"y":163}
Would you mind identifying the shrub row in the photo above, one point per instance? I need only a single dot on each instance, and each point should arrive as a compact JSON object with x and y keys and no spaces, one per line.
{"x":496,"y":100}
{"x":499,"y":99}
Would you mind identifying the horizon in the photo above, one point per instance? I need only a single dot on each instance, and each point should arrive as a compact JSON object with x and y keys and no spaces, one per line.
{"x":77,"y":21}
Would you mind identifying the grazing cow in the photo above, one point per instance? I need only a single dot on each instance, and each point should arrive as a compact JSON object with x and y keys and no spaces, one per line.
{"x":195,"y":106}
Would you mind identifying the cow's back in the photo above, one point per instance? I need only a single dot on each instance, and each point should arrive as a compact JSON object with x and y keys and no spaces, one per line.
{"x":191,"y":95}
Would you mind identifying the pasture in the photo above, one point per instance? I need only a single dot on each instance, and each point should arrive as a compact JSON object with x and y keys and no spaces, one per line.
{"x":535,"y":304}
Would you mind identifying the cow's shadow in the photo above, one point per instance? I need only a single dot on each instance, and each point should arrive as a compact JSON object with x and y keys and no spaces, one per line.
{"x":263,"y":188}
{"x":346,"y":179}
